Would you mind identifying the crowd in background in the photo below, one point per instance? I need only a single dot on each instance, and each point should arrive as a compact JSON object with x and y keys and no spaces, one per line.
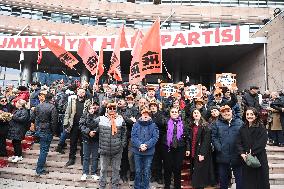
{"x":141,"y":134}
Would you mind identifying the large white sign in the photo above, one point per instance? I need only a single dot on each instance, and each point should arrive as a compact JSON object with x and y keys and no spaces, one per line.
{"x":178,"y":39}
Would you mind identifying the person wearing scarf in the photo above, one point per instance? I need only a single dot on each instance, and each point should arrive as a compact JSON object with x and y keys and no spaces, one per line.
{"x":112,"y":140}
{"x":175,"y":145}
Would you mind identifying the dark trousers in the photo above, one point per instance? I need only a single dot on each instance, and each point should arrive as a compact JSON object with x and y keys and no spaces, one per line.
{"x":124,"y":167}
{"x":44,"y":141}
{"x":225,"y":171}
{"x":17,"y":144}
{"x":75,"y":136}
{"x":277,"y":137}
{"x":3,"y":151}
{"x":90,"y":149}
{"x":173,"y":159}
{"x":157,"y":164}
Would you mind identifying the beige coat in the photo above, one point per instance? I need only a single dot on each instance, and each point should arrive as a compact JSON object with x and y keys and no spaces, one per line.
{"x":276,"y":124}
{"x":71,"y":111}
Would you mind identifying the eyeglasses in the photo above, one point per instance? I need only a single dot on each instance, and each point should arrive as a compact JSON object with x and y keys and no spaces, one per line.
{"x":218,"y":95}
{"x":3,"y":101}
{"x":112,"y":108}
{"x":174,"y":112}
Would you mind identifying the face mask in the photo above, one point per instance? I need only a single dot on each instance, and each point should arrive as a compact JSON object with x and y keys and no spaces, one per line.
{"x":130,"y":105}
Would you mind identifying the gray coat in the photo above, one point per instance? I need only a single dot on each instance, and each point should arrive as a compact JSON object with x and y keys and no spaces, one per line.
{"x":109,"y":144}
{"x":19,"y":124}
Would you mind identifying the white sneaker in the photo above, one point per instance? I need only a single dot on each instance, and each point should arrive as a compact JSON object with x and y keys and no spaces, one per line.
{"x":95,"y":177}
{"x":83,"y":177}
{"x":11,"y":158}
{"x":17,"y":158}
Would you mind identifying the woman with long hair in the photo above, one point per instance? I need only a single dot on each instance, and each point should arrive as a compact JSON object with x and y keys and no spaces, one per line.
{"x":175,"y":144}
{"x":252,"y":140}
{"x":202,"y":171}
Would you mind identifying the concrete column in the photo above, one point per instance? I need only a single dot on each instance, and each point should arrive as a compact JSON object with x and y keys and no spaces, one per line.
{"x":85,"y":75}
{"x":177,"y":66}
{"x":27,"y":70}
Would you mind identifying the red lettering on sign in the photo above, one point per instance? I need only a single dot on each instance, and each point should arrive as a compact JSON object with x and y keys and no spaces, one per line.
{"x":42,"y":45}
{"x":31,"y":43}
{"x":3,"y":45}
{"x":193,"y":37}
{"x":179,"y":39}
{"x":91,"y":41}
{"x":217,"y":35}
{"x":165,"y":39}
{"x":72,"y":42}
{"x":237,"y":34}
{"x":15,"y":43}
{"x":207,"y":35}
{"x":106,"y":42}
{"x":227,"y":35}
{"x":56,"y":41}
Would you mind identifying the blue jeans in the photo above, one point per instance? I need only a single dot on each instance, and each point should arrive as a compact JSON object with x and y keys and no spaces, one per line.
{"x":90,"y":148}
{"x":63,"y":137}
{"x":224,"y":171}
{"x":44,"y":141}
{"x":142,"y":171}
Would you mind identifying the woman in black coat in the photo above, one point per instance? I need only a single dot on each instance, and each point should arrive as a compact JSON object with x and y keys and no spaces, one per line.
{"x":253,"y":139}
{"x":18,"y":128}
{"x":5,"y":108}
{"x":202,"y":171}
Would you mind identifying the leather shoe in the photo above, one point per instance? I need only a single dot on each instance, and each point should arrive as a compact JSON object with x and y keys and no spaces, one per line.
{"x":70,"y":162}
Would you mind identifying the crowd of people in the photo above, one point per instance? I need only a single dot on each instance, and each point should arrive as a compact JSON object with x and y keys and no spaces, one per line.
{"x":145,"y":137}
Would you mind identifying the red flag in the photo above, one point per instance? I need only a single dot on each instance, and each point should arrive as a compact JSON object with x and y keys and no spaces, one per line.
{"x":89,"y":56}
{"x":114,"y":69}
{"x":39,"y":55}
{"x":101,"y":69}
{"x":64,"y":56}
{"x":135,"y":69}
{"x":151,"y":52}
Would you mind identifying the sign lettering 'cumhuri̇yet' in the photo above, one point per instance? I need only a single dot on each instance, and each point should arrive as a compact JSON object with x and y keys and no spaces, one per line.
{"x":179,"y":39}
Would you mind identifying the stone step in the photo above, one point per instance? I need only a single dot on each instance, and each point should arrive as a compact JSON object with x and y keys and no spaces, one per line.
{"x":52,"y":155}
{"x":275,"y":158}
{"x":273,"y":150}
{"x":57,"y":179}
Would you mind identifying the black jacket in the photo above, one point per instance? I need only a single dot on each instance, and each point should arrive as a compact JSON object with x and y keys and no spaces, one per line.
{"x":87,"y":123}
{"x":250,"y":100}
{"x":205,"y":167}
{"x":45,"y":117}
{"x":127,"y":113}
{"x":160,"y":120}
{"x":278,"y":104}
{"x":4,"y":125}
{"x":254,"y":138}
{"x":19,"y":124}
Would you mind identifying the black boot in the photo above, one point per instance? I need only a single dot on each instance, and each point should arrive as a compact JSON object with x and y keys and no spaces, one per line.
{"x":59,"y":149}
{"x":70,"y":162}
{"x":132,"y":176}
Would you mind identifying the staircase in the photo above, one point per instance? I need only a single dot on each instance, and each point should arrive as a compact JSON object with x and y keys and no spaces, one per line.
{"x":13,"y":175}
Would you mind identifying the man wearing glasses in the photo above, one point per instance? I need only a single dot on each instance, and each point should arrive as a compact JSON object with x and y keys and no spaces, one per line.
{"x":112,"y":140}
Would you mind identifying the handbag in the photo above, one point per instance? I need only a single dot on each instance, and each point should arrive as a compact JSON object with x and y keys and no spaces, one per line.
{"x":252,"y":161}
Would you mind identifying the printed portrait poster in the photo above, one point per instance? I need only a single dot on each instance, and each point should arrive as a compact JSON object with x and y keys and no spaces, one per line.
{"x":226,"y":80}
{"x":193,"y":91}
{"x":168,"y":89}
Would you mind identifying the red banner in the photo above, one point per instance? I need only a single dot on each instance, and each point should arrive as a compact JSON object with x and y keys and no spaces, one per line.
{"x":39,"y":55}
{"x":114,"y":69}
{"x":100,"y":70}
{"x":151,"y":52}
{"x":89,"y":56}
{"x":64,"y":56}
{"x":135,"y":74}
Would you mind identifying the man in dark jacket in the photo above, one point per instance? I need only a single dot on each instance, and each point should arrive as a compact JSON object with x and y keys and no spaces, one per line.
{"x":278,"y":104}
{"x":45,"y":118}
{"x":225,"y":132}
{"x":35,"y":90}
{"x":112,"y":140}
{"x":250,"y":99}
{"x":160,"y":120}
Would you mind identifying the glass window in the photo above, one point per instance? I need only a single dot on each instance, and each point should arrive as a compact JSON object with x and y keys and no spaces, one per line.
{"x":16,"y":11}
{"x":84,"y":20}
{"x":115,"y":22}
{"x":46,"y":15}
{"x":37,"y":15}
{"x":26,"y":13}
{"x":244,"y":3}
{"x":101,"y":21}
{"x":75,"y":19}
{"x":56,"y":17}
{"x":175,"y":26}
{"x":6,"y":10}
{"x":66,"y":18}
{"x":214,"y":25}
{"x":93,"y":21}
